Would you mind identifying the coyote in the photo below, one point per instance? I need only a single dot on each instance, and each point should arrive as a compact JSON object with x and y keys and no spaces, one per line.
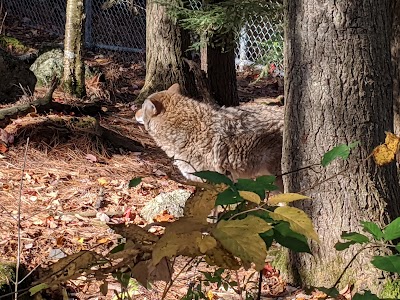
{"x":240,"y":142}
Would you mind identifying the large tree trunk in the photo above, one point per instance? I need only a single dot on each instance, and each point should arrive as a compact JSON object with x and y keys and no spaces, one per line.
{"x":396,"y":65}
{"x":166,"y":45}
{"x":74,"y":69}
{"x":338,"y":89}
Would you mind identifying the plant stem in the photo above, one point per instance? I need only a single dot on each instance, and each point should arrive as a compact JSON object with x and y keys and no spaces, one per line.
{"x":19,"y":223}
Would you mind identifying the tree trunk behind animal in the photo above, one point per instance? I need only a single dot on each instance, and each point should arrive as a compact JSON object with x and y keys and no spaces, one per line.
{"x":74,"y":70}
{"x":218,"y":62}
{"x":166,"y":45}
{"x":338,"y":89}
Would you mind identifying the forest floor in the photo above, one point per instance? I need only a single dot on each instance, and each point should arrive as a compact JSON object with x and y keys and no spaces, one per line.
{"x":62,"y":174}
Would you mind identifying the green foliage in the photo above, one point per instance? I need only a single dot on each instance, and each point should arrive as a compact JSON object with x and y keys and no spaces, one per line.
{"x":273,"y":49}
{"x":366,"y":296}
{"x":342,"y":151}
{"x":392,"y":231}
{"x":388,"y":263}
{"x":220,"y":22}
{"x":373,"y":229}
{"x":135,"y":181}
{"x":214,"y":177}
{"x":391,"y":290}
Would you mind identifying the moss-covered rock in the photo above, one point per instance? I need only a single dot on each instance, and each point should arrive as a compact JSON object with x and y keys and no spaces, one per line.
{"x":7,"y":276}
{"x":48,"y":65}
{"x":391,"y":290}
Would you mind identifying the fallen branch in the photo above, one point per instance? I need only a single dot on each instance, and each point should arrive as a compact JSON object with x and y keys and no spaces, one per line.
{"x":46,"y":105}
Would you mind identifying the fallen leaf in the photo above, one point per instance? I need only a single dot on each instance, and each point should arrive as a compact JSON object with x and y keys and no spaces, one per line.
{"x":164,"y":217}
{"x":91,"y":157}
{"x":102,"y":181}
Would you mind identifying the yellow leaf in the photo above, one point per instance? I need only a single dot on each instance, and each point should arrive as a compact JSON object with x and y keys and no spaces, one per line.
{"x":210,"y":295}
{"x":250,"y":196}
{"x":286,"y":198}
{"x":241,"y":238}
{"x":385,"y":153}
{"x":206,"y":243}
{"x":298,"y":220}
{"x":103,"y":240}
{"x":102,"y":181}
{"x":80,"y":240}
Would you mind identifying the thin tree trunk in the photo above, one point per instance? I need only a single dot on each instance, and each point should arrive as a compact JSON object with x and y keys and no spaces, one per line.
{"x":166,"y":45}
{"x":74,"y":70}
{"x":338,"y":89}
{"x":221,"y":73}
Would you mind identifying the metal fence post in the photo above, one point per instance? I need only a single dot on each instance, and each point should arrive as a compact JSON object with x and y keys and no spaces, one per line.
{"x":88,"y":23}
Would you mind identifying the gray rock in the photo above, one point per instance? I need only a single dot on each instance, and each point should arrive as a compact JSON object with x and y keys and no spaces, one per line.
{"x":51,"y":63}
{"x":15,"y":78}
{"x":173,"y":202}
{"x":47,"y":65}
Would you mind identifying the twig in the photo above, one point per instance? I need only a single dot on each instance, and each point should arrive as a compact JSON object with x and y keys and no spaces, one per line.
{"x":238,"y":286}
{"x":19,"y":222}
{"x":350,"y":262}
{"x":171,"y":282}
{"x":260,"y":278}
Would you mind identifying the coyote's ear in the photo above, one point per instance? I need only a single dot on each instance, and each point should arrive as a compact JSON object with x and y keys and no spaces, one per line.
{"x":152,"y":107}
{"x":174,"y":89}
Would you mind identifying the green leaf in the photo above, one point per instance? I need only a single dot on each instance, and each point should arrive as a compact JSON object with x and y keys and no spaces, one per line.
{"x":290,"y":239}
{"x":398,"y":247}
{"x":37,"y":288}
{"x":373,"y":229}
{"x":355,"y":237}
{"x":366,"y":296}
{"x":343,"y":246}
{"x":392,"y":231}
{"x":135,"y":181}
{"x":213,"y":177}
{"x":342,"y":151}
{"x":251,"y":186}
{"x":390,"y":263}
{"x":228,"y":196}
{"x":118,"y":248}
{"x":266,"y":179}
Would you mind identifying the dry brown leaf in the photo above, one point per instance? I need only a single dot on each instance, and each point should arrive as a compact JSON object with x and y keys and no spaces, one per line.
{"x":164,"y":217}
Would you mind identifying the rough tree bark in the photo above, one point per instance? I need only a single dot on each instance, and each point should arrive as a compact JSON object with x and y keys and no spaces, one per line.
{"x":338,"y":89}
{"x":166,"y":45}
{"x":395,"y":47}
{"x":74,"y":70}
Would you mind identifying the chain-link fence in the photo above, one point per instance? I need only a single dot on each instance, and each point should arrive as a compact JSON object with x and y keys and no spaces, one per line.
{"x":120,"y":25}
